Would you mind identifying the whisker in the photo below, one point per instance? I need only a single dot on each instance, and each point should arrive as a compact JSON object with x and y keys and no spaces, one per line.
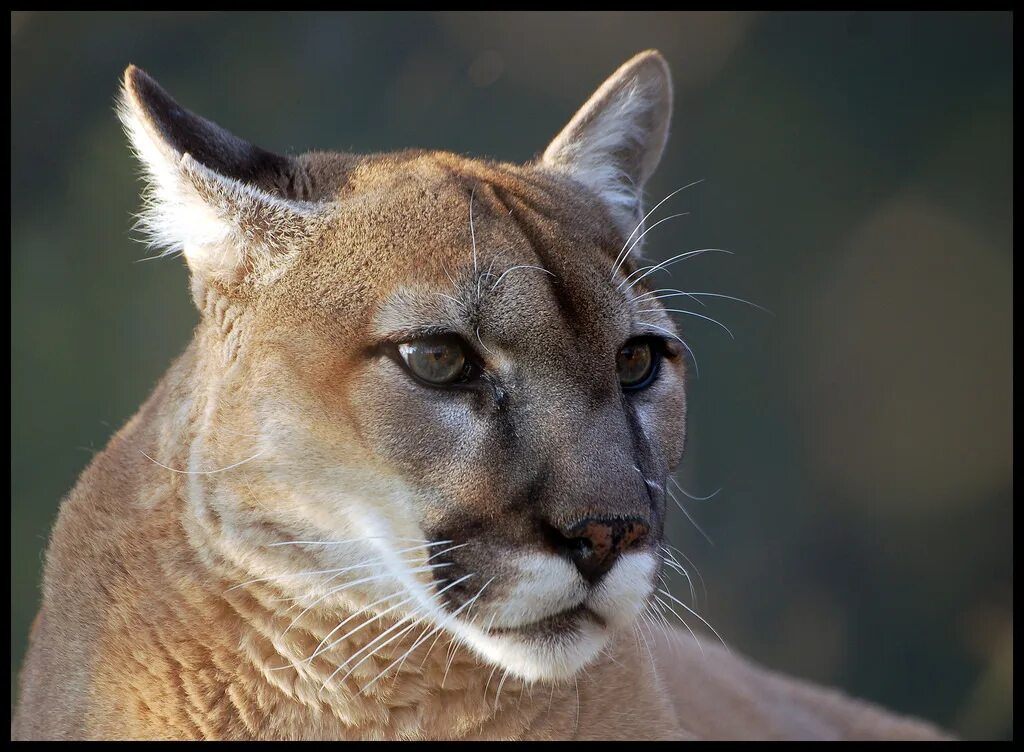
{"x":348,"y":585}
{"x":421,"y":639}
{"x":576,"y":723}
{"x":317,"y":650}
{"x":668,"y":549}
{"x":520,"y":266}
{"x":497,"y":695}
{"x":328,"y":594}
{"x":702,"y":619}
{"x":690,"y":313}
{"x":456,"y":643}
{"x":460,"y":303}
{"x":674,"y":293}
{"x":689,"y":516}
{"x":690,"y":496}
{"x":485,"y":347}
{"x":620,"y":257}
{"x":337,"y":570}
{"x":357,"y":540}
{"x":489,"y":677}
{"x":683,"y":622}
{"x":641,"y":237}
{"x":472,"y":232}
{"x":490,"y":270}
{"x":675,"y":566}
{"x":376,"y":649}
{"x":444,"y":267}
{"x":677,"y":293}
{"x":202,"y":472}
{"x":649,"y":270}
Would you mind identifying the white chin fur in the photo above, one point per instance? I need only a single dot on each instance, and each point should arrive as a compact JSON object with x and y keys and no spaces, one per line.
{"x":618,"y":600}
{"x":544,"y":657}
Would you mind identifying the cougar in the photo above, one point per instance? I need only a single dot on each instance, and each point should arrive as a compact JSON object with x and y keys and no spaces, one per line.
{"x":408,"y":479}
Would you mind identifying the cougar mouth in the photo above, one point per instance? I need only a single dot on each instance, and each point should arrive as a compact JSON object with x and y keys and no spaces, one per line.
{"x":555,"y":624}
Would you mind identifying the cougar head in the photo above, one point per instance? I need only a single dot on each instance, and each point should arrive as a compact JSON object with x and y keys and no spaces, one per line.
{"x":441,"y":380}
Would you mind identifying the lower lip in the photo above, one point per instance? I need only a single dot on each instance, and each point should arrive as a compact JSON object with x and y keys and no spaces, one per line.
{"x":557,"y":623}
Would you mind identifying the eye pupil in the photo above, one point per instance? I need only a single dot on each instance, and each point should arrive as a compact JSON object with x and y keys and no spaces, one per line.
{"x":636,"y":362}
{"x":435,"y":360}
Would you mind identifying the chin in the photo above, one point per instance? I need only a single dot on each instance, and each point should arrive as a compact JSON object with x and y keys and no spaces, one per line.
{"x":559,"y":646}
{"x":555,"y":648}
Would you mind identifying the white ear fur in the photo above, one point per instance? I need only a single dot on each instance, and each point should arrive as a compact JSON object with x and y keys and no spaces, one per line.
{"x":613,"y":143}
{"x":224,"y":227}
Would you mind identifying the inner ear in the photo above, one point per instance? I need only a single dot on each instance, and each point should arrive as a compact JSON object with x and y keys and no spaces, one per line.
{"x":614,"y":142}
{"x":184,"y":132}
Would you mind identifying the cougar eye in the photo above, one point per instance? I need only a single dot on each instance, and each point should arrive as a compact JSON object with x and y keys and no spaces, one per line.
{"x":637,"y":363}
{"x":440,"y":360}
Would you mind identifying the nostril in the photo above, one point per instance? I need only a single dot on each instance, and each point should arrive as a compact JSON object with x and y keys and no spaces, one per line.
{"x":563,"y":544}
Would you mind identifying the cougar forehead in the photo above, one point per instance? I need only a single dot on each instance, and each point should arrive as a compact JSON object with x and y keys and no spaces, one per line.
{"x":406,"y":220}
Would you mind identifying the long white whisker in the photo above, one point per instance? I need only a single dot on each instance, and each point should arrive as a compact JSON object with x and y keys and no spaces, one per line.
{"x":460,"y":303}
{"x":497,"y":695}
{"x":447,"y":587}
{"x":202,"y":472}
{"x":329,"y":593}
{"x":520,"y":266}
{"x":376,"y":649}
{"x":703,"y":620}
{"x":690,"y":496}
{"x":677,"y":567}
{"x":689,"y":517}
{"x":357,"y":540}
{"x":668,"y":549}
{"x":472,"y":233}
{"x":620,"y":257}
{"x":649,"y":270}
{"x":335,"y":570}
{"x":471,"y":602}
{"x":641,"y":237}
{"x":317,"y":650}
{"x":348,"y":585}
{"x":689,"y":313}
{"x":424,"y":636}
{"x":674,"y":293}
{"x":372,"y":578}
{"x":695,"y":295}
{"x":683,"y":622}
{"x":456,"y":643}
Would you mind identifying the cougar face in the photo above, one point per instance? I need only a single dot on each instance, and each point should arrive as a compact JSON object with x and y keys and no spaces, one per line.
{"x":436,"y":390}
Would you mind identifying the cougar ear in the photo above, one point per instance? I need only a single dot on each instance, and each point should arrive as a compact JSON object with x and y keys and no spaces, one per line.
{"x":232,"y":208}
{"x":614,"y":142}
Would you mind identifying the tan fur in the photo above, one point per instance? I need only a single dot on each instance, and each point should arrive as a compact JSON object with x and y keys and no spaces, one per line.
{"x":169,"y":612}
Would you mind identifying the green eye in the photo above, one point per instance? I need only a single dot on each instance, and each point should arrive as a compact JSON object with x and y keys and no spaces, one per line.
{"x":636,"y":363}
{"x":436,"y":360}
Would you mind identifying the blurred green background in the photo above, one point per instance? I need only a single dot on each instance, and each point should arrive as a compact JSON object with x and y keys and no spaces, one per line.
{"x":858,"y":164}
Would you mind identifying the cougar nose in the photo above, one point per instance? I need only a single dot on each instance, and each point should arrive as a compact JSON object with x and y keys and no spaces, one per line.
{"x":593,"y":545}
